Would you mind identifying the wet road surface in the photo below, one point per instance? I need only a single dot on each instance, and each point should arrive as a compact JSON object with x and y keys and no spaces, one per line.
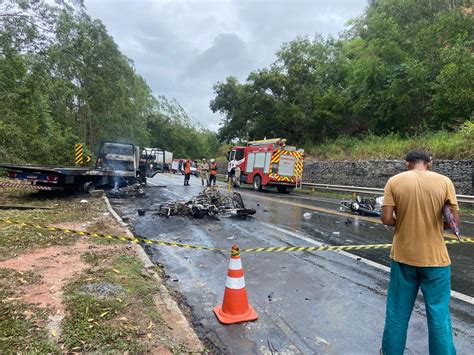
{"x":324,"y":302}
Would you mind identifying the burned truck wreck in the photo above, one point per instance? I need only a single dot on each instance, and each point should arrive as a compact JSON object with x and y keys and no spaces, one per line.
{"x":210,"y":202}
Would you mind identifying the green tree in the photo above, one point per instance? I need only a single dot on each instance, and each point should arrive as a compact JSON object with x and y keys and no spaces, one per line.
{"x":401,"y":67}
{"x":63,"y":80}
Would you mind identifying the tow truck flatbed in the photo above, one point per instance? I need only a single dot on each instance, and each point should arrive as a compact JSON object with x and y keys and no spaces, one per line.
{"x":45,"y":169}
{"x":117,"y":164}
{"x":71,"y":171}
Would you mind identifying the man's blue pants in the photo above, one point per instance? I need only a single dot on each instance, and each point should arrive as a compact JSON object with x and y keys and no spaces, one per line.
{"x":435,"y":283}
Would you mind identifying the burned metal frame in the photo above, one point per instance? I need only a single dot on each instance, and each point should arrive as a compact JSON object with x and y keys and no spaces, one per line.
{"x":210,"y":202}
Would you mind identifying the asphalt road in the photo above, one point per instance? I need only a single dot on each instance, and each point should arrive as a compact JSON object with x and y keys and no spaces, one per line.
{"x":326,"y":302}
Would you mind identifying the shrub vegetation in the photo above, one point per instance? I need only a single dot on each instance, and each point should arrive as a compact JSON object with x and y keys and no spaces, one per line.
{"x":457,"y":145}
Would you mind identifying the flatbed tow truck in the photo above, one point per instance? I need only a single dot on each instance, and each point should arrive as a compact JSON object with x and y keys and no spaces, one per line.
{"x":117,"y":164}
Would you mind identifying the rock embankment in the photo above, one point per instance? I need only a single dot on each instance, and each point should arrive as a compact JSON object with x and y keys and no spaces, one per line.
{"x":375,"y":173}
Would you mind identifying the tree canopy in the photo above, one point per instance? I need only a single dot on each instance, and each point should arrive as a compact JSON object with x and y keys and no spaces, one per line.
{"x":63,"y":80}
{"x":402,"y":67}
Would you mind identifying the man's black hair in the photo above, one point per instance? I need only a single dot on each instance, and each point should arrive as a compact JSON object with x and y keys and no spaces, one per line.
{"x":416,"y":155}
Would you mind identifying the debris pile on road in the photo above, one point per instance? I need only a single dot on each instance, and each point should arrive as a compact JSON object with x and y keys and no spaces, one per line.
{"x":363,"y":206}
{"x":135,"y":190}
{"x":210,"y":202}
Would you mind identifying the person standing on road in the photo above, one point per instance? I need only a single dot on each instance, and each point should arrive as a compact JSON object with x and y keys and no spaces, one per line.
{"x":204,"y":171}
{"x":213,"y":177}
{"x":419,"y":255}
{"x":237,"y":176}
{"x":187,"y":172}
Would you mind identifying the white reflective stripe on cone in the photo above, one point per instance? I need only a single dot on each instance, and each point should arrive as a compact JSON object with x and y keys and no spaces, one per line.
{"x":235,"y":283}
{"x":235,"y":264}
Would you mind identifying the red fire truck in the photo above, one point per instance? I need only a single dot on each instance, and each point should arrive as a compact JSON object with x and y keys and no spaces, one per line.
{"x":268,"y":162}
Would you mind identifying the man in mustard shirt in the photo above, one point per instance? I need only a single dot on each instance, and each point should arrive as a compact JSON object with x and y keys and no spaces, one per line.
{"x":413,"y":203}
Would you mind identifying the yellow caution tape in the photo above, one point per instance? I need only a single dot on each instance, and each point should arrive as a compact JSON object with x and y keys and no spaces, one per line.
{"x":339,"y":247}
{"x":142,"y":240}
{"x":124,"y":238}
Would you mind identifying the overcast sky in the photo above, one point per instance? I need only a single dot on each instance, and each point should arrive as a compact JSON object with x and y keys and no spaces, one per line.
{"x":182,"y":48}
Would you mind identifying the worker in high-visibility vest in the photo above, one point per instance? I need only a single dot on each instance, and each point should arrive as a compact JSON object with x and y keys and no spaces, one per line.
{"x":187,"y":172}
{"x":213,"y":177}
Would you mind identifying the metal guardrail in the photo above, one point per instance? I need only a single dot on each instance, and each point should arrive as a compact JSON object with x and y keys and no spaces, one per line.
{"x":365,"y":190}
{"x":358,"y":189}
{"x":371,"y":190}
{"x":465,"y":198}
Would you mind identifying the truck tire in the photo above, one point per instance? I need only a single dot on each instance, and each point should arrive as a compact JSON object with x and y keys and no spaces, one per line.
{"x":88,"y":187}
{"x":257,"y":183}
{"x":143,"y":179}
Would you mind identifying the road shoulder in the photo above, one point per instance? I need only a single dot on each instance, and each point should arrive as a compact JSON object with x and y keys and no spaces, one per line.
{"x":63,"y":293}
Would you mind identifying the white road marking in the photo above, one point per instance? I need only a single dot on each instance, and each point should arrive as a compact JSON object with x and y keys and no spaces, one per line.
{"x":454,"y":294}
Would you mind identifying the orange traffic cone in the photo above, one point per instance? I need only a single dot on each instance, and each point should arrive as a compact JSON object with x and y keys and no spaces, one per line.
{"x":235,"y":307}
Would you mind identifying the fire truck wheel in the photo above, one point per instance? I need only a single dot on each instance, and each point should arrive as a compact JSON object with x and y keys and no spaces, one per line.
{"x":282,"y":189}
{"x":257,"y":183}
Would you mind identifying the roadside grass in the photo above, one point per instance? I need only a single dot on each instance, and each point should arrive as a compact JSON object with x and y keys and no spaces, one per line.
{"x":102,"y":226}
{"x":442,"y":144}
{"x":113,"y":309}
{"x":16,"y":239}
{"x":93,"y":257}
{"x":64,"y":209}
{"x":328,"y":194}
{"x":21,"y":324}
{"x":467,"y":210}
{"x":110,"y":307}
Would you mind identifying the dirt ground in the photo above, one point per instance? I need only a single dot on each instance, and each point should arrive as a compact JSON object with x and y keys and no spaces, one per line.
{"x":54,"y":266}
{"x":82,"y":293}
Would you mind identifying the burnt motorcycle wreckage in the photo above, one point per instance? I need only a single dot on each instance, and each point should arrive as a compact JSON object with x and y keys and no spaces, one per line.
{"x":210,"y":202}
{"x":363,"y":206}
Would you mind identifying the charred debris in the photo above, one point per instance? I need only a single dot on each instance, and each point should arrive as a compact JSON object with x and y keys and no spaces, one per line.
{"x":208,"y":203}
{"x":134,"y":190}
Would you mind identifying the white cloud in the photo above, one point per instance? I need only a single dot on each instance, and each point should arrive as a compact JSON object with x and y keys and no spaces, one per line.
{"x":182,"y":47}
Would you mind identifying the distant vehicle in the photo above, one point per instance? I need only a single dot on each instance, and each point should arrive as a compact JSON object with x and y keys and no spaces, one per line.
{"x":177,"y":166}
{"x":158,"y":160}
{"x":268,"y":162}
{"x":117,"y":164}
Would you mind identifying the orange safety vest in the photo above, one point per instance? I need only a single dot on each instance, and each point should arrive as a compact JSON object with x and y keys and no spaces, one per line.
{"x":214,"y":169}
{"x":187,"y":168}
